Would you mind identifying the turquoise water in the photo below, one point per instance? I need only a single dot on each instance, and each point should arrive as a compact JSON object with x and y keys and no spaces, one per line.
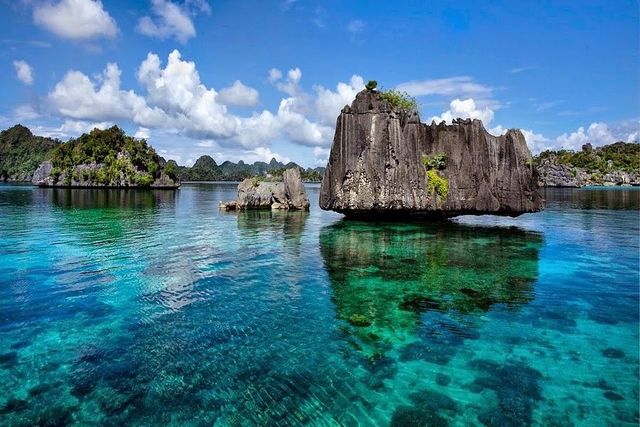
{"x":153,"y":308}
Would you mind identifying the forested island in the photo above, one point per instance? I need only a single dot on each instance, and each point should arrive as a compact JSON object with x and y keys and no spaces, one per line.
{"x":614,"y":164}
{"x":105,"y":158}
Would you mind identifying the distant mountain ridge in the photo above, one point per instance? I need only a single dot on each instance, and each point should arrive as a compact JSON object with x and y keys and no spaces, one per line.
{"x":206,"y":169}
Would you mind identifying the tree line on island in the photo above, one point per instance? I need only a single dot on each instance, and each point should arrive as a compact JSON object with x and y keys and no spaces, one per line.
{"x":111,"y":158}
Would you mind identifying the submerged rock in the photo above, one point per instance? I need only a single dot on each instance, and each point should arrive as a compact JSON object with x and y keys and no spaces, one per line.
{"x":386,"y":162}
{"x":256,"y":194}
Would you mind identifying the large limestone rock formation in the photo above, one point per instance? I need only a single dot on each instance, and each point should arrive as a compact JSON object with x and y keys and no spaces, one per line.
{"x":386,"y":162}
{"x":256,"y":194}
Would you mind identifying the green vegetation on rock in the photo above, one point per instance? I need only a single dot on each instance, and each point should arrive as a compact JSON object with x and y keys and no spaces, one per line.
{"x":435,"y":183}
{"x":371,"y":85}
{"x":400,"y":100}
{"x":438,"y":161}
{"x":21,"y":153}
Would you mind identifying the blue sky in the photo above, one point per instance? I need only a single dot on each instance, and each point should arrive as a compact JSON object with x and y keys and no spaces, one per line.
{"x":252,"y":80}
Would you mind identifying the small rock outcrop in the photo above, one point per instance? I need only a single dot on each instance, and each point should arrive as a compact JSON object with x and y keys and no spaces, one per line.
{"x":385,"y":162}
{"x":254,"y":193}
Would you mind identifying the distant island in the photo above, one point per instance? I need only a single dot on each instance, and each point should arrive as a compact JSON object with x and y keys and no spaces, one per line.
{"x":614,"y":164}
{"x":105,"y":158}
{"x":94,"y":158}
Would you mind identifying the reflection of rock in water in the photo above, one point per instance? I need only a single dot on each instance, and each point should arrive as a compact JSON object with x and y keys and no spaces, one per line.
{"x":385,"y":276}
{"x":109,"y":198}
{"x":289,"y":223}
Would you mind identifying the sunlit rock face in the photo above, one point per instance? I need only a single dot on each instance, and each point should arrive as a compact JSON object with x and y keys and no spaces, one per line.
{"x":385,"y":277}
{"x":377,"y":166}
{"x":289,"y":194}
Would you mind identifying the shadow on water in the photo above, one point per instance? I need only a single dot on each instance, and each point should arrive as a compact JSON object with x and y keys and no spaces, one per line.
{"x":386,"y":277}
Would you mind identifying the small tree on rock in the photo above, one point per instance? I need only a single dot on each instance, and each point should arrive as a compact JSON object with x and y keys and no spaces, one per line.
{"x":372,"y":85}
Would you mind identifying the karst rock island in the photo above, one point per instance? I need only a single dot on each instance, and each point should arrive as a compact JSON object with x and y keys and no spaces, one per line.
{"x":385,"y":162}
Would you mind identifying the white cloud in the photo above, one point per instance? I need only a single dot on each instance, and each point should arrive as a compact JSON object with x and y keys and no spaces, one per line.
{"x":461,"y":87}
{"x":70,"y":128}
{"x":597,"y":134}
{"x":329,"y":103}
{"x":465,"y":109}
{"x":178,"y":91}
{"x":321,"y":156}
{"x":142,"y":133}
{"x":177,"y":106}
{"x":198,"y":6}
{"x":263,"y":154}
{"x":75,"y":19}
{"x":274,"y":75}
{"x":322,"y":107}
{"x":77,"y":97}
{"x":239,"y":94}
{"x":536,"y":141}
{"x":78,"y":127}
{"x":290,"y":85}
{"x":171,"y":20}
{"x":319,"y":18}
{"x":543,"y":106}
{"x":356,"y":26}
{"x":24,"y":113}
{"x":521,"y":69}
{"x":24,"y":72}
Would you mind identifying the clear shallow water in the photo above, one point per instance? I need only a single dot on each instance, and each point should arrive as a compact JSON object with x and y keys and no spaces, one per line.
{"x":154,"y":308}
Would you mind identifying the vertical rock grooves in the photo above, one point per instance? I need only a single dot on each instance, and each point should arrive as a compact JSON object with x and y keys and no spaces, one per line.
{"x":377,"y":166}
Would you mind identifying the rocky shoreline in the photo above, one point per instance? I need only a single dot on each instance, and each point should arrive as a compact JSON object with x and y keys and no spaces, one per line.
{"x":558,"y":175}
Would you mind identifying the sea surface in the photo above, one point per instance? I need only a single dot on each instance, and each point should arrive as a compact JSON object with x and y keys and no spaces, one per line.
{"x":154,"y":308}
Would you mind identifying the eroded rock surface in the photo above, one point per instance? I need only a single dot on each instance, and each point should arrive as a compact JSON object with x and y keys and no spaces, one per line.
{"x":256,"y":194}
{"x":294,"y":190}
{"x":377,"y":166}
